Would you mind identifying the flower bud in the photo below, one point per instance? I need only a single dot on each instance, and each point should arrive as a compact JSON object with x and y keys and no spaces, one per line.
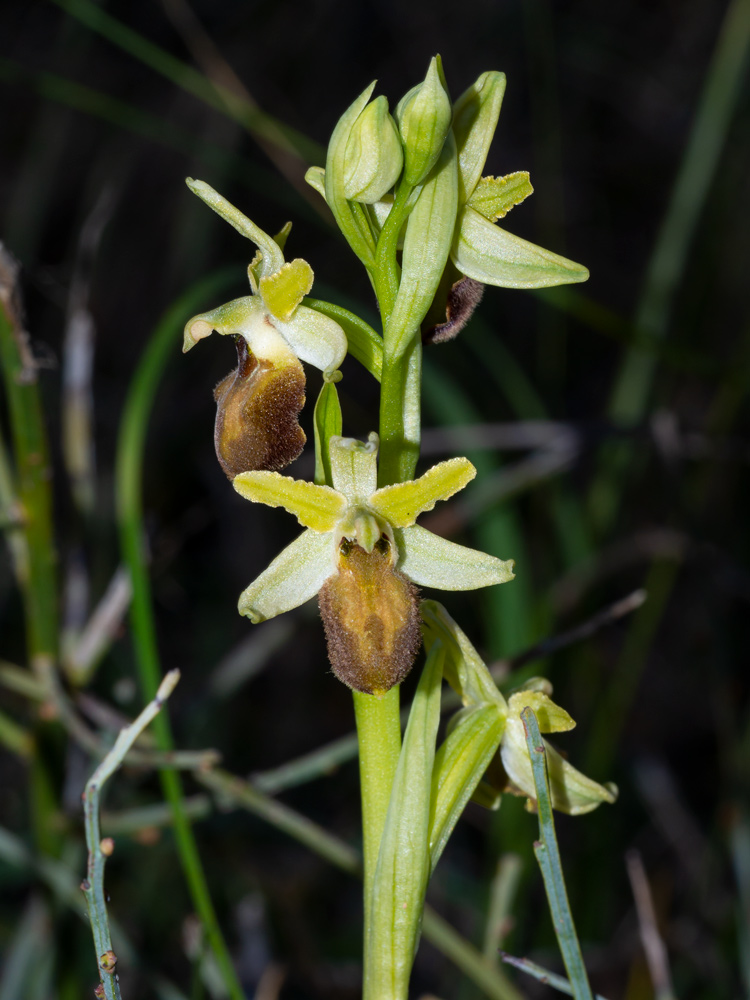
{"x":424,"y":120}
{"x":373,"y":160}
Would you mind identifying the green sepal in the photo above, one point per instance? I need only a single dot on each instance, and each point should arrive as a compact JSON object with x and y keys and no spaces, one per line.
{"x":269,"y":248}
{"x":354,"y":467}
{"x":460,"y":763}
{"x":427,"y":244}
{"x":570,"y":790}
{"x":475,"y":116}
{"x":374,"y":157}
{"x":327,"y":422}
{"x":493,"y":256}
{"x":316,"y":178}
{"x":431,"y":561}
{"x":351,"y":217}
{"x":402,"y":870}
{"x":493,"y":197}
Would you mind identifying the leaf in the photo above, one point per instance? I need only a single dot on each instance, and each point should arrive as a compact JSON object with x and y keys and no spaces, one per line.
{"x":403,"y":869}
{"x":459,"y":765}
{"x":327,"y":422}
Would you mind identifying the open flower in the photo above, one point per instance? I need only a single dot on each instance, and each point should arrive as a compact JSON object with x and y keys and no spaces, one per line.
{"x":362,"y":553}
{"x":482,"y":253}
{"x":258,"y":403}
{"x":571,"y":791}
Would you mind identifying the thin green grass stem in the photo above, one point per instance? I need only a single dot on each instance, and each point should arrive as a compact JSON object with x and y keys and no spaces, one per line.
{"x":548,"y":855}
{"x":32,"y":477}
{"x":99,"y":850}
{"x":129,"y":474}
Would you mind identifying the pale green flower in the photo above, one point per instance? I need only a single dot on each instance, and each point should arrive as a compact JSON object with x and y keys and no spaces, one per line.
{"x":362,"y":551}
{"x":259,"y":402}
{"x":571,"y":791}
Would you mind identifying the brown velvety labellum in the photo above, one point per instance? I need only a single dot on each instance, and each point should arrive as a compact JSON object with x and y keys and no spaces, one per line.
{"x":371,"y":616}
{"x":256,"y":416}
{"x":463,"y":298}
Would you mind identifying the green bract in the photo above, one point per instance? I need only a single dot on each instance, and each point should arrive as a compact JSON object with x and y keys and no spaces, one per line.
{"x":373,"y":160}
{"x":355,"y":511}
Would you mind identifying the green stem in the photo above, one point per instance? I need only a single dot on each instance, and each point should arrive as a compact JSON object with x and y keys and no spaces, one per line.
{"x":399,"y":415}
{"x":130,"y":515}
{"x":379,"y":735}
{"x":37,"y":581}
{"x":387,"y":272}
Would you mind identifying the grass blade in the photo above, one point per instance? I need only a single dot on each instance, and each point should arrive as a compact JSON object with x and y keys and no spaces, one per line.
{"x":129,"y":475}
{"x":548,"y":856}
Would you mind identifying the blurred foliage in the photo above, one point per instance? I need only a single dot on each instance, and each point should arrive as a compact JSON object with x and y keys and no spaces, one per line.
{"x":632,"y":119}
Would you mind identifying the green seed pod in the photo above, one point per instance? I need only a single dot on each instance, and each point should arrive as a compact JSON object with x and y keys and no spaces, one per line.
{"x":373,"y":160}
{"x":424,"y":120}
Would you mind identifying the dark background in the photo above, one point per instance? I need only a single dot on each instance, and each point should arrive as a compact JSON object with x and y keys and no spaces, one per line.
{"x":599,"y":107}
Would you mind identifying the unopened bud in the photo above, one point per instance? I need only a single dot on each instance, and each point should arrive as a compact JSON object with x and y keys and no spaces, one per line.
{"x":374,"y":158}
{"x":424,"y":120}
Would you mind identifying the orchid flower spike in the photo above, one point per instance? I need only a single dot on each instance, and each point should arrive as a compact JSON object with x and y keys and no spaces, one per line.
{"x":258,"y":403}
{"x":362,"y":553}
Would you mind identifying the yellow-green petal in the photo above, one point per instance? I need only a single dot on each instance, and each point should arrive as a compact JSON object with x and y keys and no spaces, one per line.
{"x":295,"y":575}
{"x":551,"y":718}
{"x":316,"y":507}
{"x":494,"y":197}
{"x":493,"y":256}
{"x":402,"y":503}
{"x":283,"y":290}
{"x":316,"y":178}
